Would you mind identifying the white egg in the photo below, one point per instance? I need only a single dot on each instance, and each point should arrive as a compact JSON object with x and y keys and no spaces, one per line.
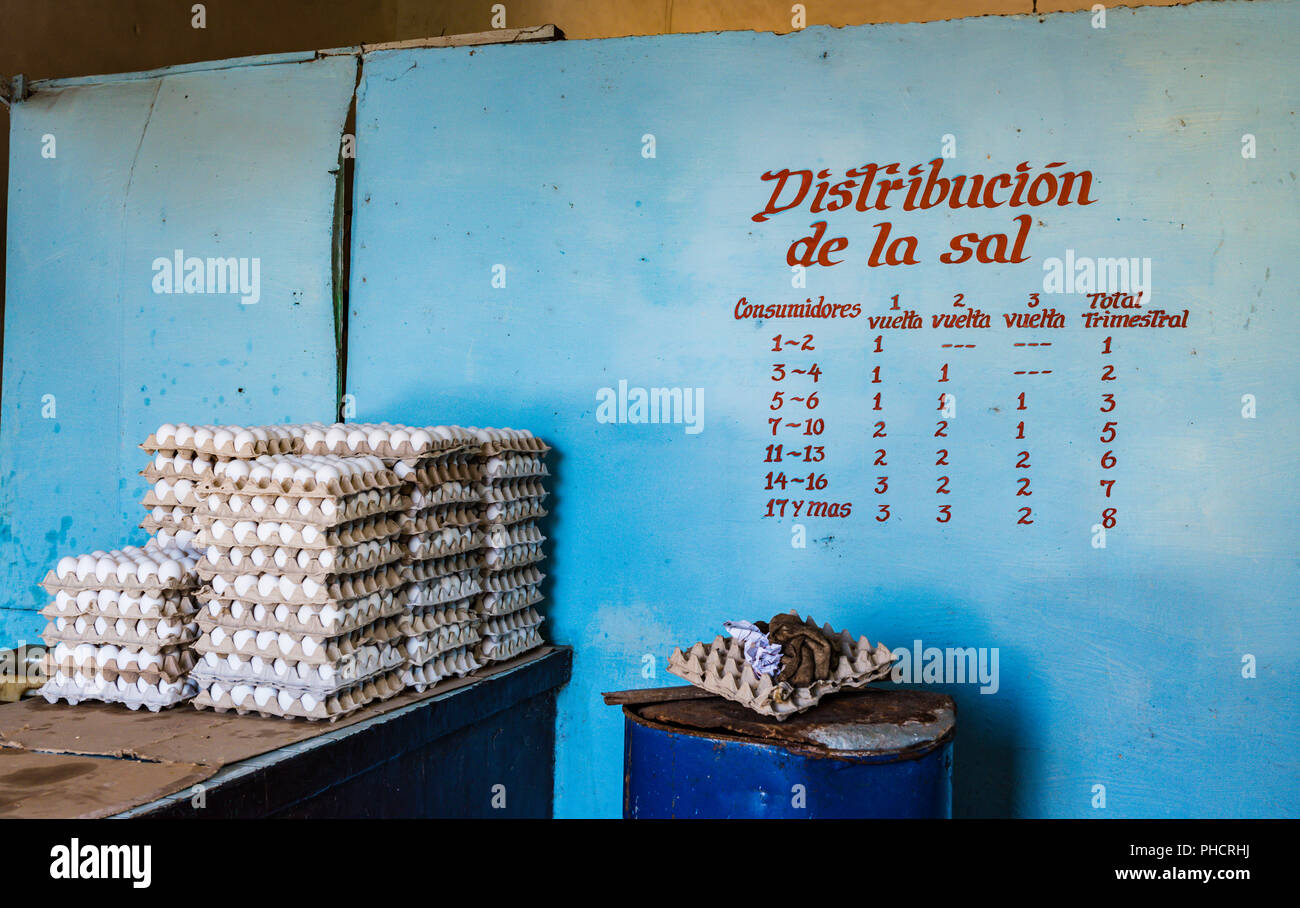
{"x":420,"y":439}
{"x":336,"y":438}
{"x":86,"y":566}
{"x":66,"y":568}
{"x":165,"y":433}
{"x":203,"y":438}
{"x":224,"y":440}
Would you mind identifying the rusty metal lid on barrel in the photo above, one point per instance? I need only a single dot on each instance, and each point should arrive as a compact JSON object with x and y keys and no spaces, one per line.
{"x":876,"y":752}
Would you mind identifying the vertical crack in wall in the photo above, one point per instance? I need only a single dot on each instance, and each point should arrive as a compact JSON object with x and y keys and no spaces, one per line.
{"x":341,"y":253}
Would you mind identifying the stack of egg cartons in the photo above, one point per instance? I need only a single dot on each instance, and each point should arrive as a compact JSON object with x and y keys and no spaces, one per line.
{"x":299,"y":553}
{"x":512,"y":492}
{"x":121,"y":626}
{"x":440,"y":539}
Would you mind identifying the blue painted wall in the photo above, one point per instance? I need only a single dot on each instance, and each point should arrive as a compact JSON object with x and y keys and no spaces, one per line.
{"x":228,"y":162}
{"x":1119,"y":667}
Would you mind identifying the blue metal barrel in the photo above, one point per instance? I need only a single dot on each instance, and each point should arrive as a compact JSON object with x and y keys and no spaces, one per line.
{"x":866,"y":754}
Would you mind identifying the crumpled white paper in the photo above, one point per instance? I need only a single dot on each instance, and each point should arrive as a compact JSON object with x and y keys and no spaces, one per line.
{"x":761,"y":653}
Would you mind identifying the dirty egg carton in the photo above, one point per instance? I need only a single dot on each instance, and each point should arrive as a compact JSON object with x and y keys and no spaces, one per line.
{"x":274,"y":588}
{"x":442,"y":543}
{"x":501,"y":625}
{"x":288,"y":561}
{"x":226,"y":441}
{"x":152,"y":696}
{"x":112,"y":603}
{"x":322,"y":620}
{"x":328,"y":678}
{"x":432,"y":568}
{"x":504,"y":581}
{"x":511,"y":490}
{"x":440,"y":590}
{"x":148,"y":569}
{"x":311,"y":475}
{"x":494,"y":441}
{"x":268,"y":700}
{"x":383,"y":439}
{"x":88,"y":660}
{"x":514,"y":556}
{"x":508,"y":645}
{"x":720,"y":667}
{"x":421,"y":648}
{"x":316,"y":649}
{"x":294,"y":508}
{"x":428,"y":618}
{"x":222,"y":531}
{"x":507,"y":601}
{"x":505,"y":513}
{"x":454,"y":663}
{"x":439,"y":518}
{"x":179,"y":465}
{"x":134,"y":632}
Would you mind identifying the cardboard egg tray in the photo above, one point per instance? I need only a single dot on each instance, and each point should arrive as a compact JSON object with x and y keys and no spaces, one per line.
{"x":294,"y":647}
{"x":137,"y":632}
{"x":169,"y":523}
{"x":120,"y":604}
{"x":267,"y":700}
{"x":453,"y":663}
{"x":500,"y":625}
{"x":495,"y":441}
{"x":267,"y":587}
{"x":226,"y":441}
{"x":383,"y":439}
{"x":439,"y":567}
{"x":505,"y":513}
{"x":512,"y":556}
{"x":511,"y":490}
{"x":178,"y":465}
{"x":118,"y":570}
{"x":137,"y":694}
{"x":168,"y":537}
{"x":442,"y":543}
{"x":170,"y":493}
{"x":223,"y":531}
{"x":720,"y":667}
{"x":441,"y":590}
{"x":327,"y":620}
{"x":507,"y":601}
{"x":87,"y":660}
{"x":502,"y":581}
{"x":231,"y":561}
{"x":303,"y":509}
{"x":509,"y":645}
{"x":424,"y":619}
{"x":501,"y":536}
{"x":462,"y":468}
{"x":448,"y":493}
{"x":439,"y":518}
{"x":421,"y":648}
{"x":301,"y":476}
{"x":513,"y":466}
{"x":365,"y":664}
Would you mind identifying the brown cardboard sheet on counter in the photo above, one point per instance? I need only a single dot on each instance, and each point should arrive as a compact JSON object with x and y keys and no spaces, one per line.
{"x":45,"y":786}
{"x":184,"y":734}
